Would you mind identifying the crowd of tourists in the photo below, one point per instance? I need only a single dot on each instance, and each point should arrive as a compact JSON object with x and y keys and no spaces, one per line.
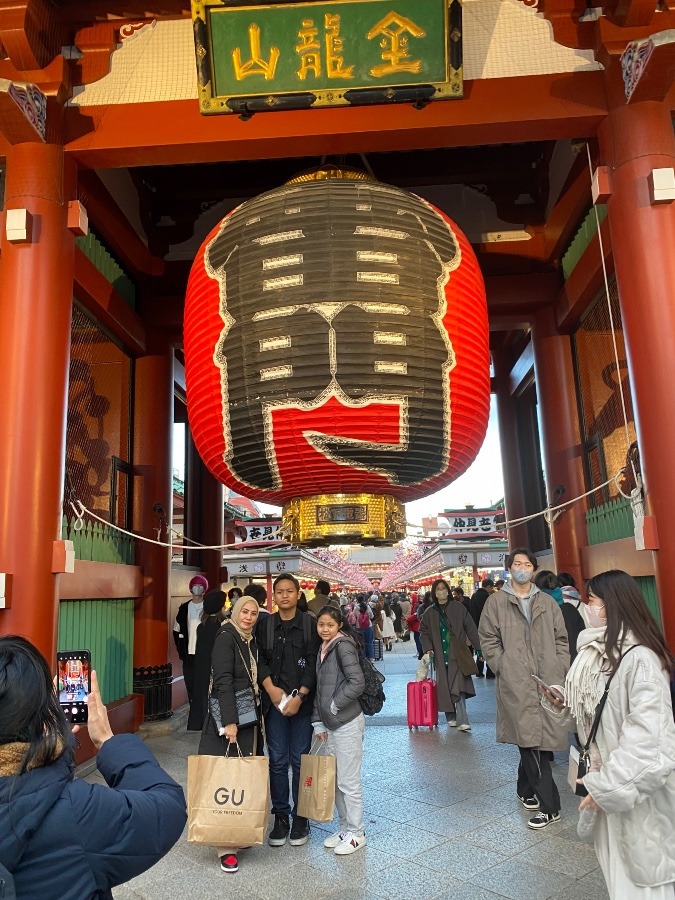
{"x":589,"y":673}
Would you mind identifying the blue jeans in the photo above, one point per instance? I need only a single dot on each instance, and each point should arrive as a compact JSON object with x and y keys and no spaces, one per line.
{"x":368,"y":641}
{"x":288,"y":737}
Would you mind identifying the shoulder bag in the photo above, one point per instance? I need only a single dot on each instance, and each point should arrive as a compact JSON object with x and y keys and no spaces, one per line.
{"x":584,"y":764}
{"x":245,"y":699}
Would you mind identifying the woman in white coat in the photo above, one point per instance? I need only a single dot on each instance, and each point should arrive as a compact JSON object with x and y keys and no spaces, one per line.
{"x":630,"y":807}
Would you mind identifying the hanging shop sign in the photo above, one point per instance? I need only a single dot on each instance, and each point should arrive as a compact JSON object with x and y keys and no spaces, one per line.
{"x":260,"y":530}
{"x":471,"y":523}
{"x":336,"y":355}
{"x":298,"y":55}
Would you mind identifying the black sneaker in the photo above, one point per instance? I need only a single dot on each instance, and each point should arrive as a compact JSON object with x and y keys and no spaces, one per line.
{"x":229,"y":863}
{"x":280,"y":831}
{"x":542,"y":819}
{"x":299,"y":832}
{"x":529,"y":802}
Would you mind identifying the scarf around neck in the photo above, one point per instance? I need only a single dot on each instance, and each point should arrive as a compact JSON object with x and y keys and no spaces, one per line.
{"x":587,"y":677}
{"x":247,"y":638}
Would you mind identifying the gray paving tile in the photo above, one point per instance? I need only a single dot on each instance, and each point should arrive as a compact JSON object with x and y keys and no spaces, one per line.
{"x":354,"y":868}
{"x":401,"y":882}
{"x":355,"y":893}
{"x":125,"y":893}
{"x":448,"y":823}
{"x":404,"y":841}
{"x":298,"y":881}
{"x":592,"y":887}
{"x":507,"y":834}
{"x":458,"y":859}
{"x":519,"y":881}
{"x":561,"y":855}
{"x":467,"y":891}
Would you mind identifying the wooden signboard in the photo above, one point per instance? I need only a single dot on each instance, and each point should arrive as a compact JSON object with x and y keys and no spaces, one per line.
{"x":294,"y":56}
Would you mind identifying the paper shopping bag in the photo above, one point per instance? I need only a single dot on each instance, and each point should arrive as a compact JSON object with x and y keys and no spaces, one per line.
{"x":228,"y":800}
{"x":316,"y":796}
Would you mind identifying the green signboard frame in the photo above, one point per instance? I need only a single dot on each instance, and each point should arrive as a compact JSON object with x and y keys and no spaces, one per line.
{"x":298,"y":55}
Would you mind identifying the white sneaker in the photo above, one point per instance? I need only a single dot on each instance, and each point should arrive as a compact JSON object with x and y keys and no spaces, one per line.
{"x":466,"y":727}
{"x":351,"y":843}
{"x":452,"y":723}
{"x":335,"y":839}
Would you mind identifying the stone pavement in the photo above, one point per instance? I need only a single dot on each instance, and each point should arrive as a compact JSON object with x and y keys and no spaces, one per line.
{"x":442,"y":821}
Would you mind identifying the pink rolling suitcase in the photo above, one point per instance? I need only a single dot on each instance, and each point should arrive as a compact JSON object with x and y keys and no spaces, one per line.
{"x":422,"y":704}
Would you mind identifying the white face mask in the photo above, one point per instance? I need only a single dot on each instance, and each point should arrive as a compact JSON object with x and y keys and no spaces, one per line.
{"x":593,"y":618}
{"x":521,"y":576}
{"x":198,"y":590}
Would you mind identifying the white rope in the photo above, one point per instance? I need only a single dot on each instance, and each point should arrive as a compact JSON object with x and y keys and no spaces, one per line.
{"x":81,"y":510}
{"x":611,"y":317}
{"x":552,"y":509}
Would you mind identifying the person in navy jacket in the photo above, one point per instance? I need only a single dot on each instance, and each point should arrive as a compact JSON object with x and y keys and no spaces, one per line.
{"x":60,"y":836}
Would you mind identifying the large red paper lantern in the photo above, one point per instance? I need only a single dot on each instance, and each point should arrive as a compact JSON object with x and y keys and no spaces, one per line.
{"x":336,"y":353}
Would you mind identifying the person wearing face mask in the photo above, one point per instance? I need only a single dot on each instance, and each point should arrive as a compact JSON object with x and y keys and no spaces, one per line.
{"x":188,"y":619}
{"x":445,"y":626}
{"x":630,"y":782}
{"x":523,"y":634}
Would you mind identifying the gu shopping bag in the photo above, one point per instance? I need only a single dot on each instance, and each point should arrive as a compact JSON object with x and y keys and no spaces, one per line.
{"x":316,"y":795}
{"x":228,"y":800}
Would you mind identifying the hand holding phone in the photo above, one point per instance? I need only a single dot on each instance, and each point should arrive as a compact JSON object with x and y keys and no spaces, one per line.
{"x":554,"y":695}
{"x":74,"y":684}
{"x":98,"y":725}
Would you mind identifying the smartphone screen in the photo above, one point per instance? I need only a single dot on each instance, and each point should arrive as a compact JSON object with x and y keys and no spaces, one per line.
{"x":74,"y":683}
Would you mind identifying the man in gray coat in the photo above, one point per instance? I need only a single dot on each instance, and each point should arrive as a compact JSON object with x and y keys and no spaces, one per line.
{"x":522,"y":634}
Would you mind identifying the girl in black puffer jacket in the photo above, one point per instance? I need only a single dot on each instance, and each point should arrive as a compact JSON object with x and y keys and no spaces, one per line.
{"x":338,"y":719}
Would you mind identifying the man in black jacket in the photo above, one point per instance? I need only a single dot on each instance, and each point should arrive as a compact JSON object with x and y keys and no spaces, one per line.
{"x":288,"y":646}
{"x":475,"y":606}
{"x":188,"y":618}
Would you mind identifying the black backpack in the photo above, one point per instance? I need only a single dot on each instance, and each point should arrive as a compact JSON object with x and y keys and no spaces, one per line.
{"x":7,"y":891}
{"x":372,"y":699}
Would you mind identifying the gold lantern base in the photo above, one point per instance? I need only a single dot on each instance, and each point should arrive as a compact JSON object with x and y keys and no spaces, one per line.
{"x":344,"y":519}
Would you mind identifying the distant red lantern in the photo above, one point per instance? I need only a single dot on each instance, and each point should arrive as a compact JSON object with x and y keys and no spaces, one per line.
{"x":304,"y":585}
{"x":336,"y":352}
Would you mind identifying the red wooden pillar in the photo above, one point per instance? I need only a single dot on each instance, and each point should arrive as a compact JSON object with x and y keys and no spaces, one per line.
{"x":153,"y":441}
{"x":560,"y":437}
{"x":205,"y":516}
{"x":514,"y":495}
{"x":634,"y":139}
{"x":213,"y":526}
{"x":36,"y":285}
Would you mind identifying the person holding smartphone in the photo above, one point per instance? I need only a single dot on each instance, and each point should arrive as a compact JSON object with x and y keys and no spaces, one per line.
{"x":522,"y":633}
{"x":629,"y":807}
{"x":62,"y":837}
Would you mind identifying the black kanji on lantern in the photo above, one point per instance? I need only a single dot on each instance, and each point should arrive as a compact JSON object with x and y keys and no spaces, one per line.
{"x":335,"y":288}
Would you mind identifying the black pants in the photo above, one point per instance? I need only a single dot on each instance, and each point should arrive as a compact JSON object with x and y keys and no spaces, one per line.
{"x":535,"y":778}
{"x":189,"y":675}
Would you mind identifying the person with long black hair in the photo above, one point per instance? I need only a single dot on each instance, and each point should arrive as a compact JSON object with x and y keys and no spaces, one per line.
{"x":60,"y":836}
{"x":630,"y":806}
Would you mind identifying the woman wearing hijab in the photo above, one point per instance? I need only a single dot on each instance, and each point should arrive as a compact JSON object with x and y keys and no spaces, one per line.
{"x":234,"y":662}
{"x":446,"y":629}
{"x":212,"y":619}
{"x":630,"y":805}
